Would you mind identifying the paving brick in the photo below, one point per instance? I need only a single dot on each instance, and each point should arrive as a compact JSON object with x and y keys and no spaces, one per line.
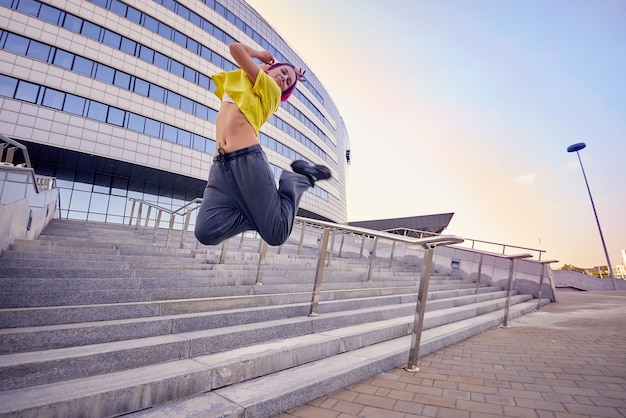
{"x":376,"y":401}
{"x":348,"y":407}
{"x":544,"y":366}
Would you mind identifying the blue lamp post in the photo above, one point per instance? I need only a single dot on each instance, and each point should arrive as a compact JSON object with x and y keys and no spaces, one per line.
{"x":575,"y":148}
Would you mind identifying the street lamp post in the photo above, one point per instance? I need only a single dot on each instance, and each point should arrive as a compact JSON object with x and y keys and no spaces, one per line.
{"x":575,"y":148}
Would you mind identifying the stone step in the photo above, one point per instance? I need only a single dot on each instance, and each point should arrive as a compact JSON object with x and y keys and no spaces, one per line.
{"x":259,"y":380}
{"x":25,"y":369}
{"x":54,"y":315}
{"x":33,"y":338}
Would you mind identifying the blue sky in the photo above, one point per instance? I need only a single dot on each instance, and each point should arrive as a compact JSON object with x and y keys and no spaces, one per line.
{"x":468,"y":107}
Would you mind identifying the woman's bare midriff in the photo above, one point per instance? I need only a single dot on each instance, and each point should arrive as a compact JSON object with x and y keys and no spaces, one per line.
{"x":233,"y":131}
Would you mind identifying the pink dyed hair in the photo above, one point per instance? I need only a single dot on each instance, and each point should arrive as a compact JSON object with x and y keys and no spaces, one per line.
{"x":299,"y":77}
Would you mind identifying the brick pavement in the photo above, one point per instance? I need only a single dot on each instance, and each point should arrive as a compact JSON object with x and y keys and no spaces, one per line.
{"x":566,"y":361}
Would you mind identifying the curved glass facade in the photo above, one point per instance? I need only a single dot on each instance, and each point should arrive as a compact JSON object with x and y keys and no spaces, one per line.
{"x":115,"y":100}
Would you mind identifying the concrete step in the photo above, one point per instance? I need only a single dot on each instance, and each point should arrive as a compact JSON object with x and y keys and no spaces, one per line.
{"x":184,"y":339}
{"x":260,"y":380}
{"x":59,"y":335}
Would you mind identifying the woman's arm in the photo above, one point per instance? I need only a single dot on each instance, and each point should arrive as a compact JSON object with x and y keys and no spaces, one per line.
{"x":244,"y":55}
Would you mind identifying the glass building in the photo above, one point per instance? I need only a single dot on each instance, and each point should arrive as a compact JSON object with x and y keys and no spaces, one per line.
{"x":115,"y":100}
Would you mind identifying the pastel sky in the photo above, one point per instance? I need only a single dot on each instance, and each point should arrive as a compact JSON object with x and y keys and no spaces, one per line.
{"x":468,"y":106}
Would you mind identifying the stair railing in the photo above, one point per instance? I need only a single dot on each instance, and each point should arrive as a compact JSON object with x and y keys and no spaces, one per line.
{"x":185,"y":211}
{"x":428,"y":244}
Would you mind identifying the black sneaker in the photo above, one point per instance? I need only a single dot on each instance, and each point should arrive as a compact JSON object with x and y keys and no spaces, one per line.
{"x":312,"y":172}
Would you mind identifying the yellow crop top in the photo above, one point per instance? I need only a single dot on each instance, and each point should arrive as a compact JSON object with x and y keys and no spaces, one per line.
{"x":257,"y":102}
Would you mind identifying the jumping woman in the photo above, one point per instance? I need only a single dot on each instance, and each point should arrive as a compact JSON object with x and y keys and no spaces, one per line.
{"x":241,"y":193}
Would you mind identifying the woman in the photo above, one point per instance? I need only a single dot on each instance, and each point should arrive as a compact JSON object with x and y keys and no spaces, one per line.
{"x":241,"y":193}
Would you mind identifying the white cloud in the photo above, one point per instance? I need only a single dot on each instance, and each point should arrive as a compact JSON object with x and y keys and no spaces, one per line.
{"x":527,"y":179}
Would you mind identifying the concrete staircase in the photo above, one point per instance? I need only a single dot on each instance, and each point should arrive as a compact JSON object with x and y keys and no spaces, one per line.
{"x":96,"y":320}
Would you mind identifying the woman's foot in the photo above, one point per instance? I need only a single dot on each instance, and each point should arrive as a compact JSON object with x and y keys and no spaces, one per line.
{"x":312,"y":172}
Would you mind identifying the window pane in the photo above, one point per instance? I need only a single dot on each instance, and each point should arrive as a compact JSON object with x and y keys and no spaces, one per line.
{"x":152,"y":127}
{"x":63,"y":59}
{"x":160,"y":60}
{"x":141,"y":87}
{"x":117,"y":205}
{"x":74,"y":104}
{"x":39,"y":51}
{"x":17,"y":44}
{"x":91,"y":31}
{"x":27,"y":92}
{"x":30,"y":7}
{"x":122,"y":80}
{"x":116,"y":116}
{"x":50,"y":14}
{"x":146,"y":54}
{"x":97,"y":111}
{"x":165,"y":31}
{"x":157,"y":93}
{"x":83,"y":66}
{"x":180,"y":39}
{"x":170,"y":133}
{"x":72,"y":23}
{"x":7,"y":86}
{"x":54,"y":99}
{"x":112,"y":39}
{"x":173,"y":99}
{"x":128,"y":46}
{"x":105,"y":73}
{"x":184,"y":138}
{"x":177,"y":68}
{"x":136,"y":122}
{"x":80,"y":201}
{"x":150,"y":23}
{"x":189,"y":74}
{"x":133,"y":15}
{"x":99,"y":203}
{"x":186,"y":105}
{"x":119,"y":8}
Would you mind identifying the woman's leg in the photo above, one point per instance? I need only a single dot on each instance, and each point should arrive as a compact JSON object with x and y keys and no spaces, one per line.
{"x":269,"y":211}
{"x":218,"y":217}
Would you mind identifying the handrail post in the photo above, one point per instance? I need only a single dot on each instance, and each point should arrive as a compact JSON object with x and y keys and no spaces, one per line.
{"x":420,"y":310}
{"x":480,"y":270}
{"x":544,"y":265}
{"x":343,"y":238}
{"x":183,"y":235}
{"x":262,"y":258}
{"x":362,"y":245}
{"x":223,"y":254}
{"x":169,"y":231}
{"x":332,"y":247}
{"x":393,"y":248}
{"x":156,"y":225}
{"x":145,"y":224}
{"x":132,"y":213}
{"x":512,"y":259}
{"x":301,"y":239}
{"x":372,"y":257}
{"x":138,"y":215}
{"x":319,"y":273}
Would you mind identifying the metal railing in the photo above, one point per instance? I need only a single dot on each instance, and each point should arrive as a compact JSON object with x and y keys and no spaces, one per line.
{"x":420,"y":233}
{"x":428,"y":244}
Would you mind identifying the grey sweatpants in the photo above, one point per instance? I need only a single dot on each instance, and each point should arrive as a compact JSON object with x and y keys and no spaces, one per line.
{"x":241,"y":195}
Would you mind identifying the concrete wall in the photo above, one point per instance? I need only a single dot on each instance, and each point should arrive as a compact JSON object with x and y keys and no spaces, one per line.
{"x":579,"y":281}
{"x":24,"y":211}
{"x":494,"y":270}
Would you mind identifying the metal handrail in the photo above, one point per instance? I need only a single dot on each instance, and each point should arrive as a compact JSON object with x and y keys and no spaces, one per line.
{"x":429,"y":244}
{"x":187,"y":215}
{"x":474,"y":241}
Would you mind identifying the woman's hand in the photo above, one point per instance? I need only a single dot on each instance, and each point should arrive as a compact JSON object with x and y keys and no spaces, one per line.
{"x":265,"y":57}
